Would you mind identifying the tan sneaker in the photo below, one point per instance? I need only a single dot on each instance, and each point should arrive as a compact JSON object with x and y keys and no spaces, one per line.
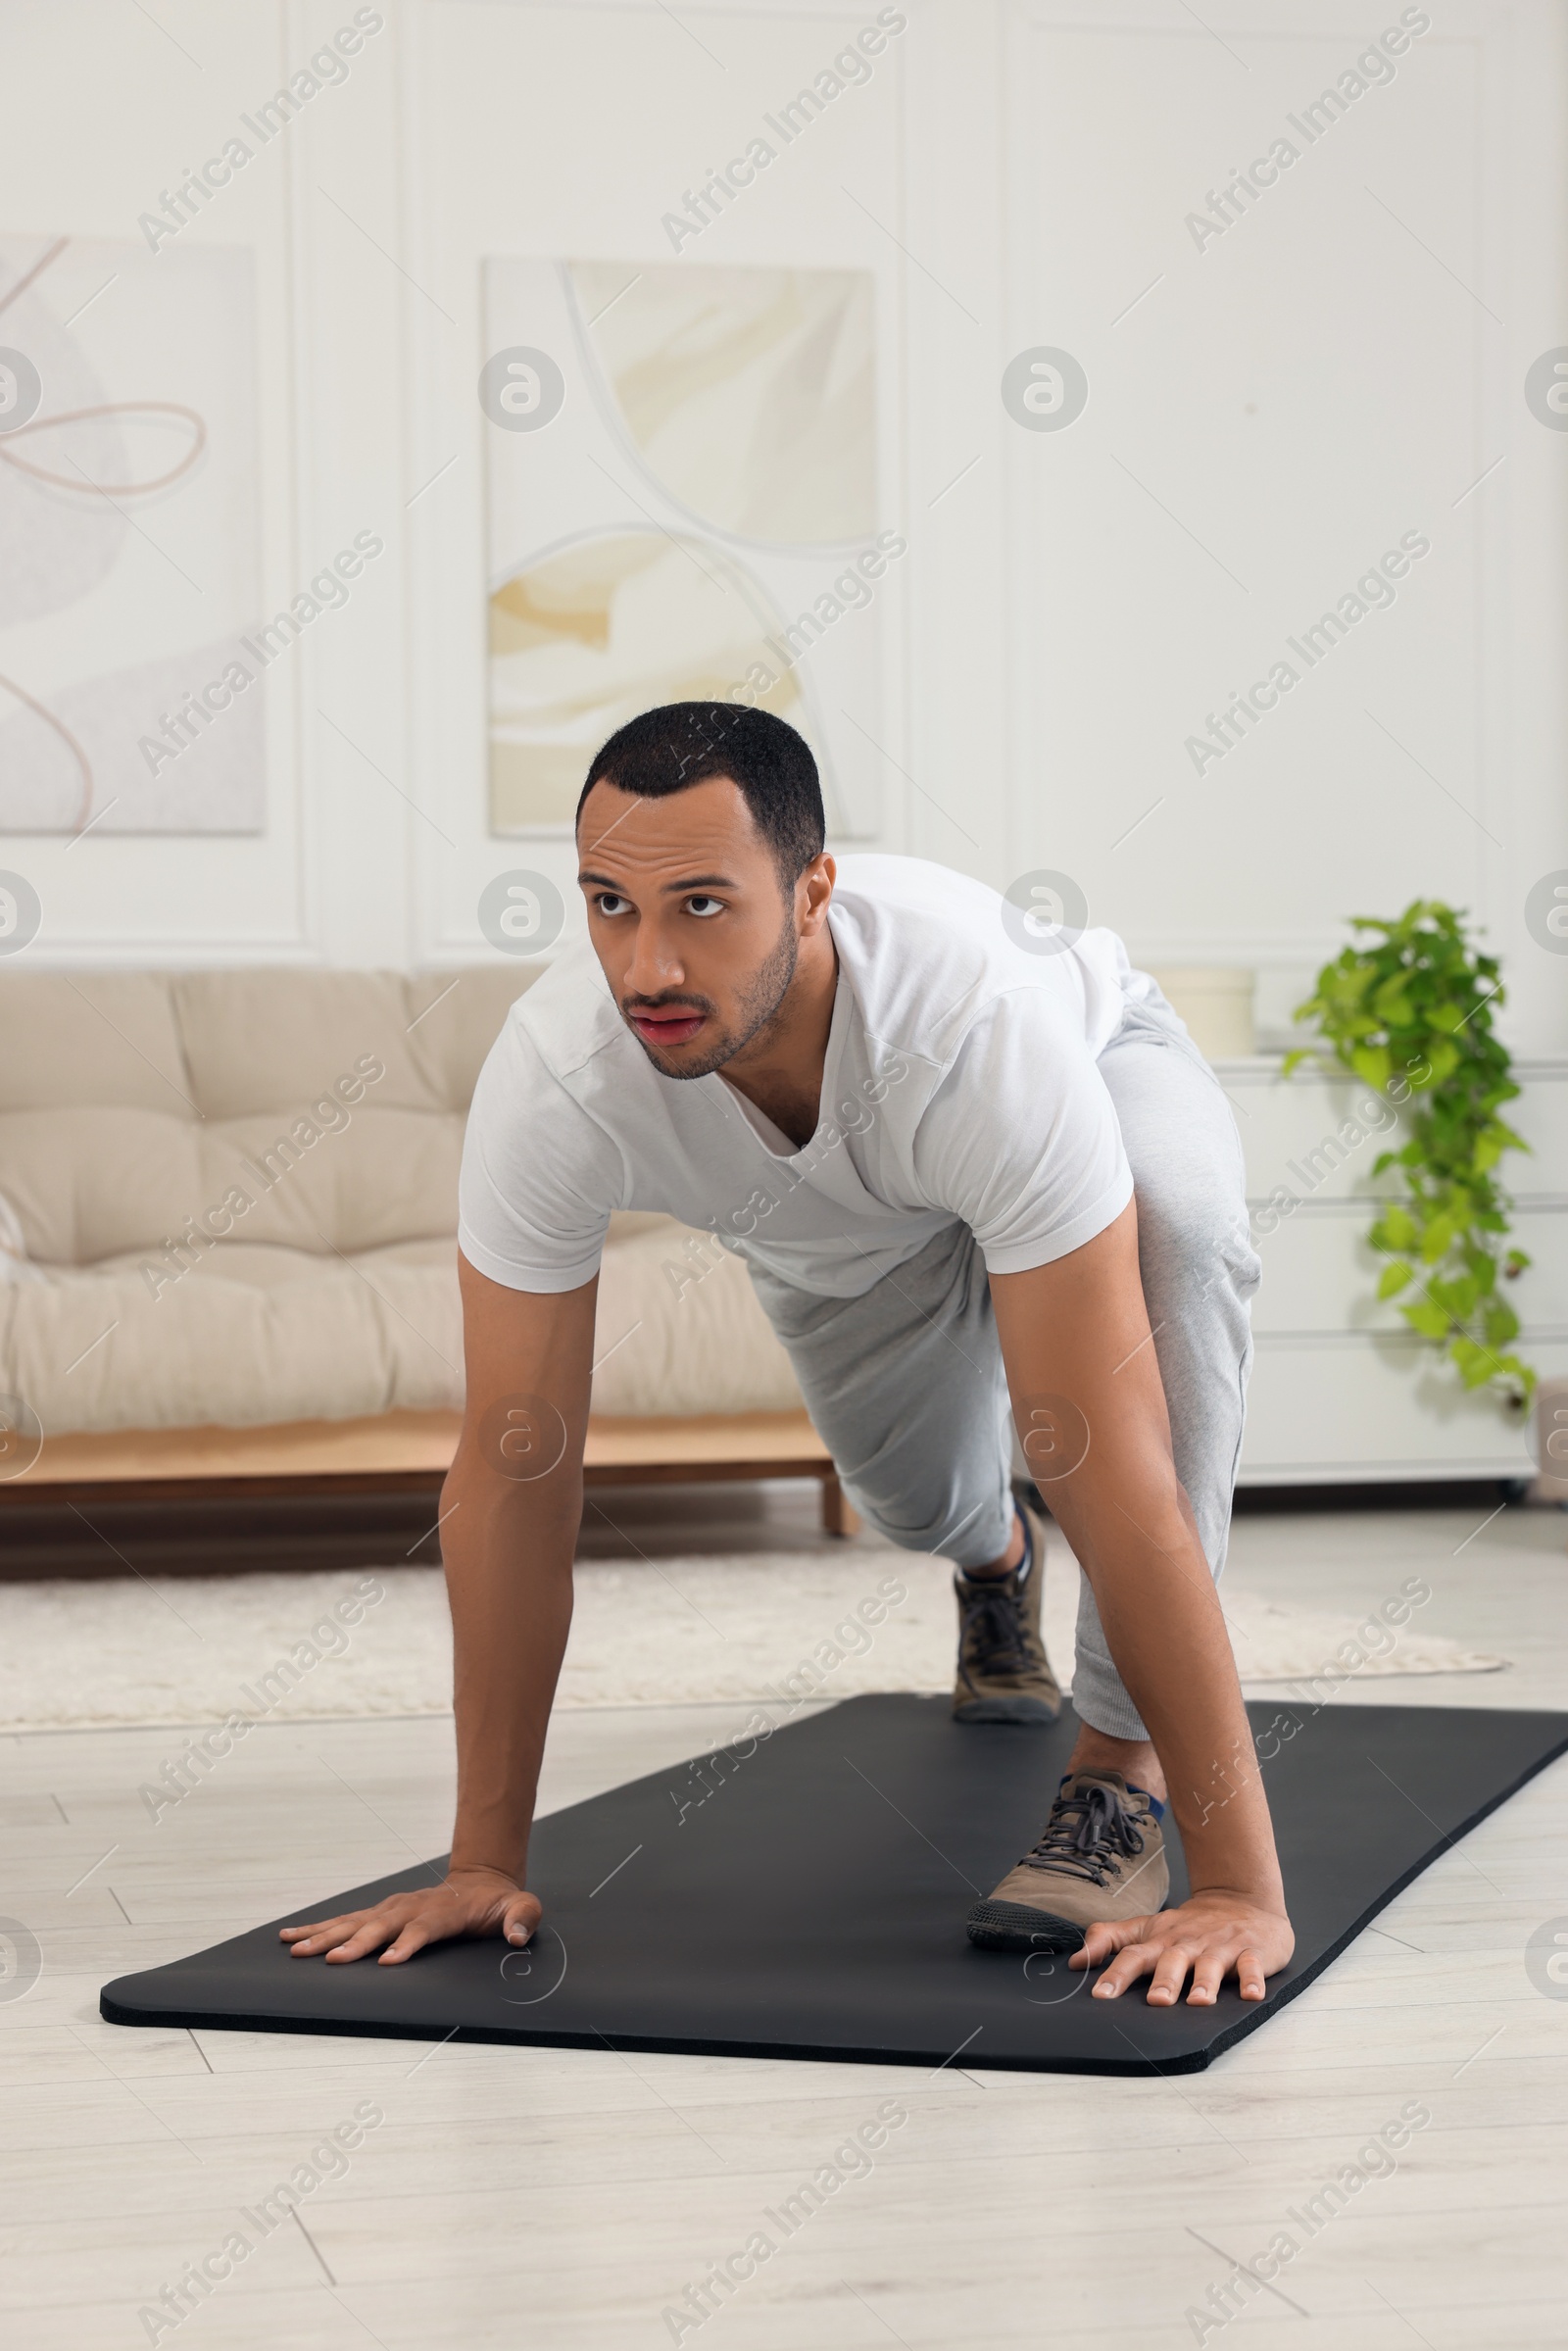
{"x":1004,"y":1674}
{"x":1101,"y":1855}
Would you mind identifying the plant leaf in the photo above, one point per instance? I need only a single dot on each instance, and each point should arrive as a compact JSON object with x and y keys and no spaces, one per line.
{"x":1415,"y":994}
{"x":1373,"y":1065}
{"x":1396,"y":1228}
{"x":1438,"y":1239}
{"x":1427,"y":1319}
{"x":1476,"y":1364}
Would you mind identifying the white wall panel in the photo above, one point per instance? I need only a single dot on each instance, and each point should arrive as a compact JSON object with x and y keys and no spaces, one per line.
{"x":1269,"y":417}
{"x":531,"y":144}
{"x":132,"y":113}
{"x":1270,"y":409}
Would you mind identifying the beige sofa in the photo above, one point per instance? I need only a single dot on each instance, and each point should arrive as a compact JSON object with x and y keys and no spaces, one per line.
{"x":227,"y":1203}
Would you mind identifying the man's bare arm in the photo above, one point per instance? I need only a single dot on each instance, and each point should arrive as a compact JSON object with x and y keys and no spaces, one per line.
{"x":509,"y":1510}
{"x":1080,"y":1357}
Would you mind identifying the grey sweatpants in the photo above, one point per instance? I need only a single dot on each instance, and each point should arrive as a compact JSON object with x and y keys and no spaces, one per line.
{"x":906,"y":1385}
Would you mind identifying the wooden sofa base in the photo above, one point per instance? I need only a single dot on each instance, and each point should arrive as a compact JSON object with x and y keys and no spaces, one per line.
{"x":317,"y":1494}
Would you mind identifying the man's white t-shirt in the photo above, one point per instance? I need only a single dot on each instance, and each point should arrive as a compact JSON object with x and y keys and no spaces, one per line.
{"x":959,"y":1085}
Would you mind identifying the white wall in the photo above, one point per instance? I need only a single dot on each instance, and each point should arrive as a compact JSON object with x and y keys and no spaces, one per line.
{"x":1337,"y":368}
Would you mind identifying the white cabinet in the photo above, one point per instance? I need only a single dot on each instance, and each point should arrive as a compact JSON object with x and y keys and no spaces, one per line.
{"x":1340,"y":1388}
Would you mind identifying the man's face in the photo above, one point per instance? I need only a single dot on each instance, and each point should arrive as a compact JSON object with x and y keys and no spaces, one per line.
{"x":689,"y":918}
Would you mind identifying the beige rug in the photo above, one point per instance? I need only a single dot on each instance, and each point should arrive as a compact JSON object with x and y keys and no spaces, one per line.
{"x":756,"y":1627}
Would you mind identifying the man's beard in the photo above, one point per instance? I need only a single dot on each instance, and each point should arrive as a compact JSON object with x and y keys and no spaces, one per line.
{"x":760,"y":1001}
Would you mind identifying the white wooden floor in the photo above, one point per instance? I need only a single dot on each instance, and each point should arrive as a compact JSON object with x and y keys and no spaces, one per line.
{"x":543,"y":2199}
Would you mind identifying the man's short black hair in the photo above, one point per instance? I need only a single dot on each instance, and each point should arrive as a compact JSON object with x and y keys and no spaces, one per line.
{"x":684,"y":742}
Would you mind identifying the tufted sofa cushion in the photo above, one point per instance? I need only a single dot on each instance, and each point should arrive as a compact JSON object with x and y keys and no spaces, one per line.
{"x":237,"y":1192}
{"x":325,"y":1108}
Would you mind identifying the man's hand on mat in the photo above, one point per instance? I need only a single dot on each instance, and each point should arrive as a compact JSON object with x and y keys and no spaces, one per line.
{"x":1209,"y":1936}
{"x":470,"y":1902}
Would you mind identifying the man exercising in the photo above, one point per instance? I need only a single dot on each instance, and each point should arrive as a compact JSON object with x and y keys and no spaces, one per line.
{"x":963,"y":1154}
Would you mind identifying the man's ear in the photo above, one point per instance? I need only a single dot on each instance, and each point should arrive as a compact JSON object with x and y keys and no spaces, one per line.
{"x":813,"y":894}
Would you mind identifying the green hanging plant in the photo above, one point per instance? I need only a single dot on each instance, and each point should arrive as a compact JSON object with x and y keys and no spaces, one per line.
{"x":1411,"y":1014}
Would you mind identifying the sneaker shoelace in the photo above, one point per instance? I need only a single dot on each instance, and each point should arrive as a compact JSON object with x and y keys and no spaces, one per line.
{"x":993,"y":1633}
{"x":1087,"y":1835}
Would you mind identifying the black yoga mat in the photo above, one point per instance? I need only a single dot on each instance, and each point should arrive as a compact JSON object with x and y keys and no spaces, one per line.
{"x":804,"y":1896}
